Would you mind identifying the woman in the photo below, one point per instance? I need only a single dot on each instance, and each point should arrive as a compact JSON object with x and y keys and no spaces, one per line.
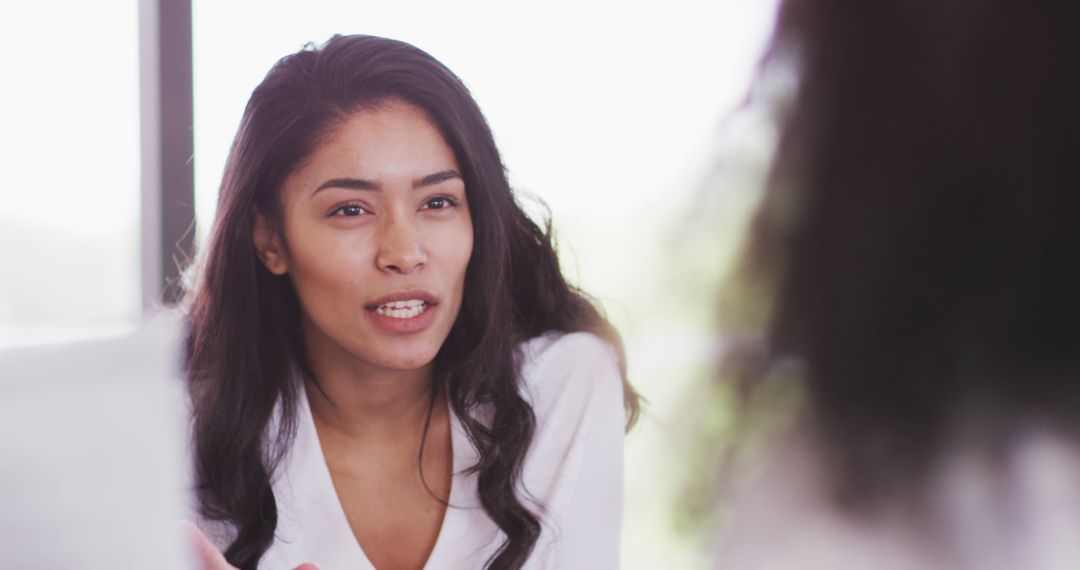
{"x":921,"y":236}
{"x":388,"y":368}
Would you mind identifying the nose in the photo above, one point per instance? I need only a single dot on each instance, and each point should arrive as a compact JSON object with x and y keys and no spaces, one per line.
{"x":400,"y":248}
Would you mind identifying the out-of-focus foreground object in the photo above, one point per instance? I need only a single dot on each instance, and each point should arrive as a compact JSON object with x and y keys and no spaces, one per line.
{"x":93,"y":469}
{"x":914,"y":259}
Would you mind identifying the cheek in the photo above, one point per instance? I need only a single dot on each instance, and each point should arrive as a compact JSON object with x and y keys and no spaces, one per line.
{"x":451,"y":245}
{"x":325,"y":265}
{"x":457,"y":254}
{"x":459,"y":251}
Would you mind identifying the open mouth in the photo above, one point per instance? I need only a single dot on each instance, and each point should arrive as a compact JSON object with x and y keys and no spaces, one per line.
{"x":407,"y":309}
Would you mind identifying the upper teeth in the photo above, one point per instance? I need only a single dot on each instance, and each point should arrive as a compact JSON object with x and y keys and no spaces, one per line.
{"x":402,"y":309}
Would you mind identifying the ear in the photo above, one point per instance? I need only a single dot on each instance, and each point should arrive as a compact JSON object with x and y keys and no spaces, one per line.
{"x":268,"y":244}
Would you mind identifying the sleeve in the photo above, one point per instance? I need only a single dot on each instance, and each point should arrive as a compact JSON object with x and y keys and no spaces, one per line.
{"x":575,"y":468}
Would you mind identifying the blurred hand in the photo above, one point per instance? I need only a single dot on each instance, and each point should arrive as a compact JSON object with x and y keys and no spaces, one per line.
{"x":211,"y":558}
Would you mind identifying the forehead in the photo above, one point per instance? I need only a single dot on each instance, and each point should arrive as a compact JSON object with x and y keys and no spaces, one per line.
{"x":393,"y":140}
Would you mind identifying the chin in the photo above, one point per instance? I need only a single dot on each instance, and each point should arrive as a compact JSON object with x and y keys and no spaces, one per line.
{"x":407,"y":362}
{"x":404,"y":355}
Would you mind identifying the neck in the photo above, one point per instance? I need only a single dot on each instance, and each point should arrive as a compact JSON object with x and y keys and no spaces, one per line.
{"x":366,"y":403}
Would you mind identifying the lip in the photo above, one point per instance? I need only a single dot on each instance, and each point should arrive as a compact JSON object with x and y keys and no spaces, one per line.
{"x":413,"y":325}
{"x":424,"y":296}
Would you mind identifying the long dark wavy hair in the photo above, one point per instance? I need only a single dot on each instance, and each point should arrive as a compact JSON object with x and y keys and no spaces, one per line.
{"x":922,"y":228}
{"x":244,"y":338}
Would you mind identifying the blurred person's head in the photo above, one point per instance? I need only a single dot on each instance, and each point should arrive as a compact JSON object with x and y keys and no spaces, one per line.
{"x":295,"y":264}
{"x":922,"y":228}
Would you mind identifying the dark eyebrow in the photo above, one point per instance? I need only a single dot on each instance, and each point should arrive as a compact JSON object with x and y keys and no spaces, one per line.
{"x":349,"y":184}
{"x":361,"y":184}
{"x":437,"y":178}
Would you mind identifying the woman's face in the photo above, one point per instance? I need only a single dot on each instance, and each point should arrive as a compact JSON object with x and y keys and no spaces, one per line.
{"x":376,"y":240}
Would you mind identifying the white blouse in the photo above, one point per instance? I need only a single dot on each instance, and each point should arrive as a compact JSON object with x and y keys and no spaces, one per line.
{"x":572,"y":472}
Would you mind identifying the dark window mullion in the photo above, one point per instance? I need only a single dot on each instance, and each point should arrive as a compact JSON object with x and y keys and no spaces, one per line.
{"x":168,"y":179}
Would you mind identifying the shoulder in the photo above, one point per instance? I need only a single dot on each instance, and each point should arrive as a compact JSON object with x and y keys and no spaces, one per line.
{"x":560,"y":358}
{"x":575,"y":348}
{"x":573,"y":469}
{"x":780,"y":495}
{"x":570,"y":372}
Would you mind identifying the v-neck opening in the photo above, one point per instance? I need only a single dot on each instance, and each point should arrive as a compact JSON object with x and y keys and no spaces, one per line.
{"x":343,"y":519}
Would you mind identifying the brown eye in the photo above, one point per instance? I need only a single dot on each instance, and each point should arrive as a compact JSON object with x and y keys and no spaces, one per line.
{"x":349,"y":210}
{"x":440,"y":203}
